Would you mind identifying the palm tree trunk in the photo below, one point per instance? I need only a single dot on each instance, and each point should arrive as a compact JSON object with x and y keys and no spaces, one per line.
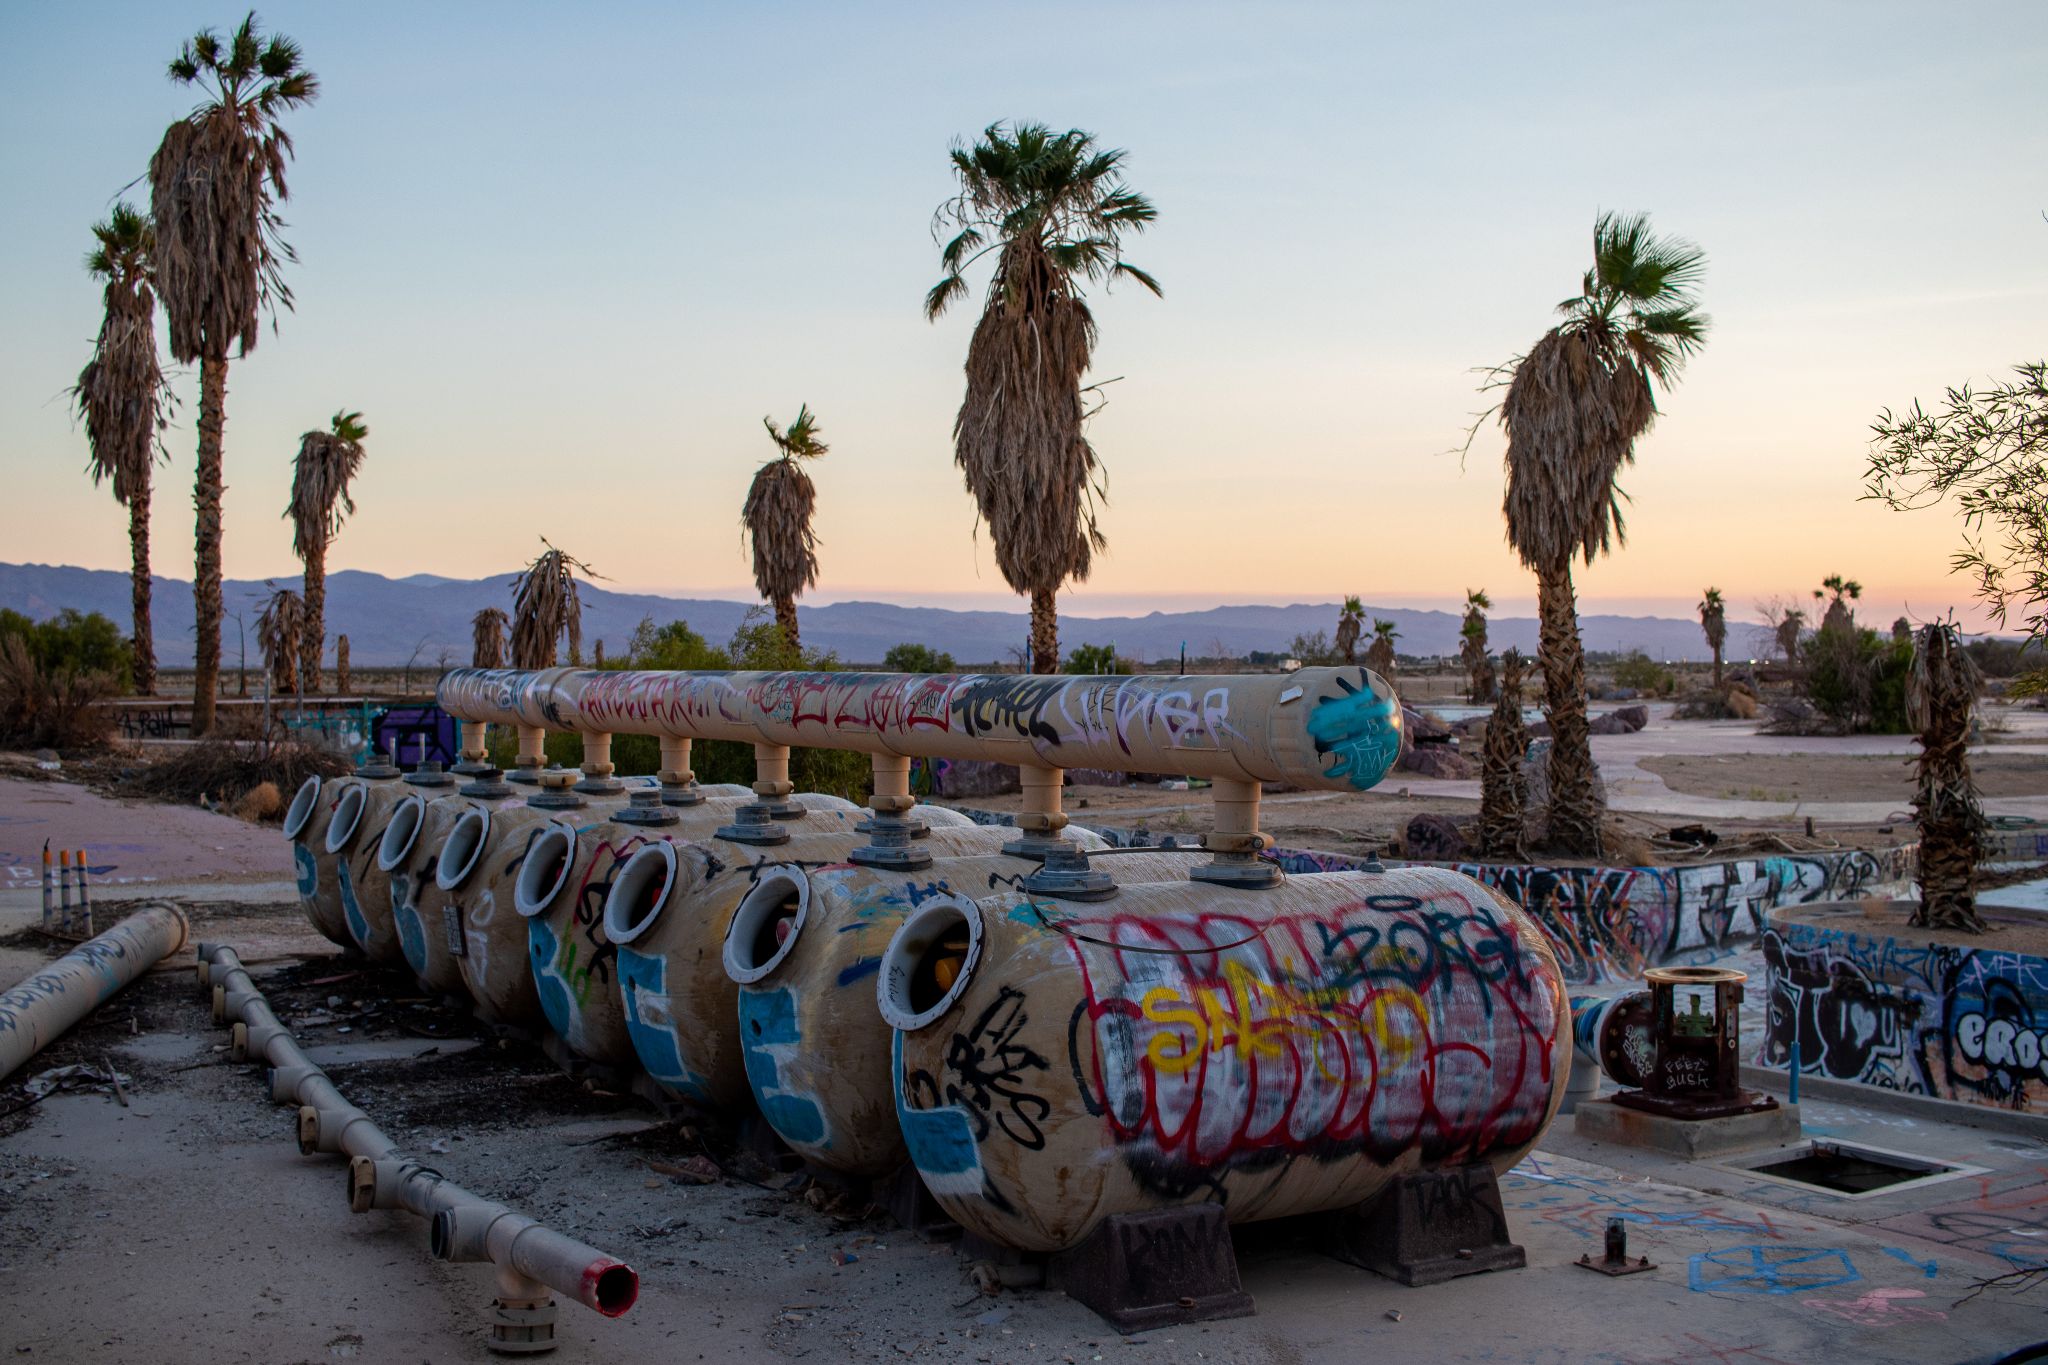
{"x":1717,"y":668}
{"x":1574,"y":816}
{"x":138,"y":545}
{"x":314,"y":645}
{"x":206,"y":495}
{"x":1045,"y":631}
{"x":785,"y":616}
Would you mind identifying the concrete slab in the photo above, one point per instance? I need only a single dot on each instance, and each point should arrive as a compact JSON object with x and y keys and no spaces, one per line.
{"x":1692,"y":1139}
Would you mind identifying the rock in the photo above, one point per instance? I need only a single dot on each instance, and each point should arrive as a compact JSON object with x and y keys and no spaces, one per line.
{"x":1435,"y":838}
{"x":1609,"y":723}
{"x":1536,"y":776}
{"x":972,"y":777}
{"x":1420,"y":726}
{"x":1096,"y":777}
{"x":1437,"y":760}
{"x":1636,"y":717}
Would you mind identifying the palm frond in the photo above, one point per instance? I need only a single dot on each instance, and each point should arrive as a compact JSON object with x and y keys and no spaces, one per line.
{"x":546,"y":609}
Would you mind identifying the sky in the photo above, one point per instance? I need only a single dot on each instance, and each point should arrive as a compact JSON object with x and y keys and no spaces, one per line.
{"x":564,"y":263}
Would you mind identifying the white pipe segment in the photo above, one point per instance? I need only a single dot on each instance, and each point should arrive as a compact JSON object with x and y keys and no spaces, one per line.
{"x":44,"y":1006}
{"x":1327,"y":728}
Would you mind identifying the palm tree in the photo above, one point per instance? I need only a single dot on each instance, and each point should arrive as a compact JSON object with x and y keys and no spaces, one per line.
{"x":1503,"y":788}
{"x":215,"y":183}
{"x":489,"y":626}
{"x":1574,"y":407}
{"x":122,"y":396}
{"x":546,"y":608}
{"x":1349,"y":621}
{"x":341,"y":678}
{"x":1787,"y":633}
{"x":1941,"y":690}
{"x":1054,"y":208}
{"x":280,"y":630}
{"x":1714,"y":621}
{"x":777,"y":517}
{"x":327,"y":462}
{"x":1380,"y":658}
{"x":1472,"y":644}
{"x":1838,"y":593}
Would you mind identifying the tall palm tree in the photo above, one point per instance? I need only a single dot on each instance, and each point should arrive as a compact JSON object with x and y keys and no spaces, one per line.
{"x":1574,"y":407}
{"x":1054,"y":209}
{"x":777,"y":518}
{"x":1941,"y":690}
{"x":280,"y":630}
{"x":1349,"y":622}
{"x":122,"y":396}
{"x":1380,"y":658}
{"x":1714,"y":621}
{"x":214,"y":184}
{"x":488,"y":649}
{"x":1837,"y":592}
{"x":547,"y":609}
{"x":1503,"y":787}
{"x":327,"y":463}
{"x":1472,"y":644}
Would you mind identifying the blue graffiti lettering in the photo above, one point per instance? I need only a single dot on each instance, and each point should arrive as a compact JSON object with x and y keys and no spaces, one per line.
{"x":768,"y":1038}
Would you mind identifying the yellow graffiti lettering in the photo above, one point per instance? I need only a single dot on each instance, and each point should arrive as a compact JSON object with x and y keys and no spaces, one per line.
{"x":1163,"y":1005}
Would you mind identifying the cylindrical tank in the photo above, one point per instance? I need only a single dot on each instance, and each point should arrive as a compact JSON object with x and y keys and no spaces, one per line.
{"x":411,"y":848}
{"x":362,"y":808}
{"x":305,"y":825}
{"x":1276,"y":1052}
{"x":560,"y":893}
{"x":667,"y":914}
{"x":1613,"y":1035}
{"x":804,"y":947}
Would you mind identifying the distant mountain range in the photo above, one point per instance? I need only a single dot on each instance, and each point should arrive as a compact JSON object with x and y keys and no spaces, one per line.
{"x":391,"y":620}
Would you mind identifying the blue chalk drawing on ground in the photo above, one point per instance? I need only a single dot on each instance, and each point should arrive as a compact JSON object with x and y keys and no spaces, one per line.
{"x":768,"y":1038}
{"x":643,"y":980}
{"x":1926,"y":1267}
{"x":866,"y":967}
{"x":1361,"y":729}
{"x":308,"y":871}
{"x":541,"y":949}
{"x":1771,"y":1270}
{"x":358,"y":927}
{"x":412,"y":935}
{"x":941,"y":1141}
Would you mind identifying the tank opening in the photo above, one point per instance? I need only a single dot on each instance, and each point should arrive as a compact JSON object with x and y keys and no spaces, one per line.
{"x":464,"y":849}
{"x":304,"y":803}
{"x":545,"y":871}
{"x":401,"y":833}
{"x":765,"y":927}
{"x":929,"y":963}
{"x":639,"y":891}
{"x":348,"y":814}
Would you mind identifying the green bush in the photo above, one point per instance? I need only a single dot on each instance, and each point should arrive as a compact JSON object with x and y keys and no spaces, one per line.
{"x":1643,"y":673}
{"x":73,"y":643}
{"x":1095,"y":661}
{"x":1857,"y":678}
{"x":908,"y":658}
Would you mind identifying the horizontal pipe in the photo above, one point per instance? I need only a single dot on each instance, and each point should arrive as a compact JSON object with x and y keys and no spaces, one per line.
{"x":41,"y":1008}
{"x":1327,"y":728}
{"x":465,"y":1226}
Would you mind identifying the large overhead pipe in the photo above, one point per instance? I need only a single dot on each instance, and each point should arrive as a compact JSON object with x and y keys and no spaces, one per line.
{"x":531,"y":1259}
{"x":41,"y":1008}
{"x":1322,"y":728}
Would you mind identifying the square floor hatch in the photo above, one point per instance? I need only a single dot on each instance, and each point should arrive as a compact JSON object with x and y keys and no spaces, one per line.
{"x":1848,"y":1170}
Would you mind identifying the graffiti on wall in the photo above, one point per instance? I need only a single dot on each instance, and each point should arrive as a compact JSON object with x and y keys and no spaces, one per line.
{"x":1932,"y":1019}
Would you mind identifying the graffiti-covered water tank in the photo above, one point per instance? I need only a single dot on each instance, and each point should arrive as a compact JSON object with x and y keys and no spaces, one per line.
{"x":1276,"y":1052}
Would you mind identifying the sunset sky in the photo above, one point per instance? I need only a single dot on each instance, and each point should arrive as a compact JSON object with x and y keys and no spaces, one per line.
{"x":564,"y":265}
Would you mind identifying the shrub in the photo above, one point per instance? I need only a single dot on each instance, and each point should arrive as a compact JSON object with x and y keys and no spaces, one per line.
{"x":1094,"y":661}
{"x":222,"y":772}
{"x":1857,"y":678}
{"x":73,"y":643}
{"x":1639,"y":671}
{"x":909,"y":658}
{"x":54,"y":708}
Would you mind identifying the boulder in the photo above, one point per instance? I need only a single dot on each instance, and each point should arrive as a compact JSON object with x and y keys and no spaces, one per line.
{"x":1435,"y":838}
{"x":1609,"y":723}
{"x":971,"y":777}
{"x":1437,"y":760}
{"x":1536,"y":777}
{"x":1096,"y":777}
{"x":1635,"y":717}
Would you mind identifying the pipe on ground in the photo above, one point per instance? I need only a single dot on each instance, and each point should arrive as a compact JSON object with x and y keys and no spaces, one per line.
{"x":40,"y":1009}
{"x":464,"y":1226}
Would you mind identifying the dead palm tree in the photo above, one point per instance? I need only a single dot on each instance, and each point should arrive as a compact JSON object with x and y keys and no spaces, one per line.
{"x":1380,"y":658}
{"x":777,"y":518}
{"x":215,"y":183}
{"x":1503,"y":787}
{"x":122,"y":396}
{"x":1787,"y":633}
{"x":327,"y":463}
{"x":280,"y":630}
{"x":1714,"y":621}
{"x":1054,"y":208}
{"x":546,"y":609}
{"x":1575,"y":405}
{"x":1472,"y":644}
{"x":1941,"y":690}
{"x":1349,"y":622}
{"x":341,"y":677}
{"x":489,"y":626}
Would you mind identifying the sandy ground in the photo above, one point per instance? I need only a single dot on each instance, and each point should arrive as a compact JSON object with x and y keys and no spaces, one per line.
{"x":1838,"y":777}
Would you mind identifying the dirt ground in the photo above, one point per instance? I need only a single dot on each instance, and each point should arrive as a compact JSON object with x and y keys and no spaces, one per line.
{"x":1835,"y":777}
